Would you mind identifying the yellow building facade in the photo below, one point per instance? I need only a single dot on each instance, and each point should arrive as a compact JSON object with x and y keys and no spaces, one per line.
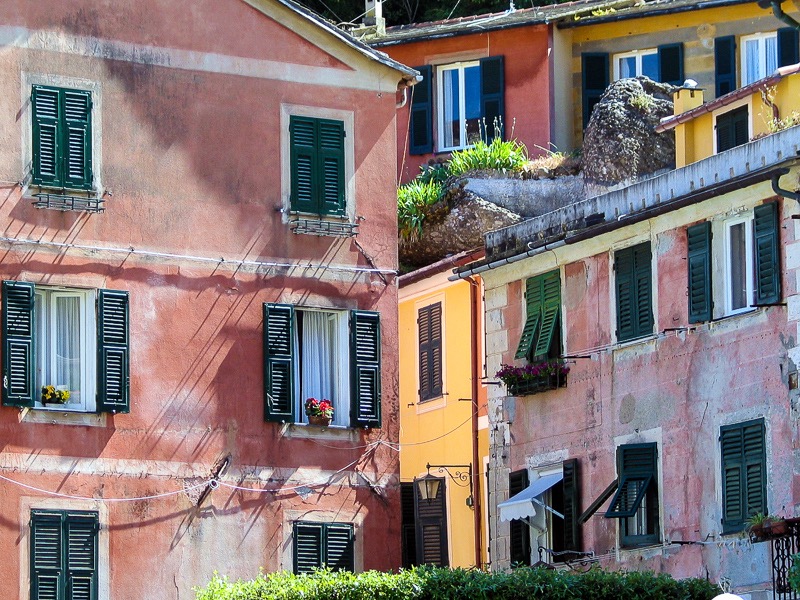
{"x":443,"y":424}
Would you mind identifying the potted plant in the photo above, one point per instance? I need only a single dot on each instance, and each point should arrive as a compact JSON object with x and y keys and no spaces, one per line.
{"x":533,"y":378}
{"x":55,"y":395}
{"x":763,"y":527}
{"x":319,"y":412}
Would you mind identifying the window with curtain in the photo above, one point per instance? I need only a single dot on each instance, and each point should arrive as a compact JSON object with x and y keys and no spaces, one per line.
{"x":460,"y":105}
{"x":759,"y":56}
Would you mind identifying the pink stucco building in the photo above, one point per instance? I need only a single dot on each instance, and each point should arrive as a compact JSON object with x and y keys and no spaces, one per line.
{"x":198,"y":233}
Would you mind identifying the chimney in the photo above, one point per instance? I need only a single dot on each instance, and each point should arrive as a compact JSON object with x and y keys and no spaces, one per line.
{"x":373,"y":15}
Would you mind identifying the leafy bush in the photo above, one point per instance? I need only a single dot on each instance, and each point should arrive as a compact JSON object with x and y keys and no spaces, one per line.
{"x":497,"y":155}
{"x":427,"y":583}
{"x":413,"y":200}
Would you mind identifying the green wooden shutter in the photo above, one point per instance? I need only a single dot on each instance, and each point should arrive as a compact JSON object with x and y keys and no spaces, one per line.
{"x":571,"y":483}
{"x":408,"y":524}
{"x":637,"y":466}
{"x":643,"y":276}
{"x":429,"y":323}
{"x":724,"y":65}
{"x":743,"y":473}
{"x":339,"y":547}
{"x":308,"y":539}
{"x":670,"y":64}
{"x":788,"y":47}
{"x":18,"y":344}
{"x":304,"y":161}
{"x":113,"y":352}
{"x":551,"y":309}
{"x":699,"y":272}
{"x":533,"y":316}
{"x":47,"y":568}
{"x":77,"y":128}
{"x":331,"y":167}
{"x":81,"y":555}
{"x":633,"y":280}
{"x":365,"y":367}
{"x":279,"y":389}
{"x":421,"y":118}
{"x":519,"y":532}
{"x":47,"y":136}
{"x":594,"y":81}
{"x":766,"y":246}
{"x":431,"y":520}
{"x":492,"y":97}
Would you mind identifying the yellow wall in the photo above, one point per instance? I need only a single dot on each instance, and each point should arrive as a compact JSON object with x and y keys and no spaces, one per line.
{"x":440,"y":431}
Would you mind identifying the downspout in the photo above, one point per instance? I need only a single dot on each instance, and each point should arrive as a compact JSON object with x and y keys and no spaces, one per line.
{"x":474,"y":289}
{"x":779,"y":190}
{"x":778,"y":12}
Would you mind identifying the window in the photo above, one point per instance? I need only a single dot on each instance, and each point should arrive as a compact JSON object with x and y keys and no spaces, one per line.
{"x":759,"y":56}
{"x":322,"y":354}
{"x":733,"y":128}
{"x":317,"y":166}
{"x":633,"y":282}
{"x":318,"y":545}
{"x":635,"y":502}
{"x":541,"y":336}
{"x":636,"y":63}
{"x":74,"y":340}
{"x":62,"y":137}
{"x":63,"y":555}
{"x":469,"y":105}
{"x":748,"y":255}
{"x":744,"y":473}
{"x":519,"y":531}
{"x":429,"y":323}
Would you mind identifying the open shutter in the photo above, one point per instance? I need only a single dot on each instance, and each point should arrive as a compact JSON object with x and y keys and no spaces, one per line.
{"x":430,"y":351}
{"x":421,"y":118}
{"x":304,"y":170}
{"x":47,"y":569}
{"x":670,"y":64}
{"x":492,"y":97}
{"x":18,"y":344}
{"x":279,"y":392}
{"x":767,"y":253}
{"x":519,"y":532}
{"x":431,"y":521}
{"x":331,"y":166}
{"x":788,"y":46}
{"x":594,"y":81}
{"x":637,"y":471}
{"x":113,"y":352}
{"x":365,"y":365}
{"x":47,"y":136}
{"x":533,"y":316}
{"x":724,"y":65}
{"x":339,"y":547}
{"x":551,"y":308}
{"x":699,"y":272}
{"x":571,"y":483}
{"x":308,"y":539}
{"x":78,"y":139}
{"x":81,"y":556}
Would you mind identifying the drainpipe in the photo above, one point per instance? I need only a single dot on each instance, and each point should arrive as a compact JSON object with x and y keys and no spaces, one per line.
{"x":779,"y":190}
{"x":778,"y":12}
{"x":474,"y":290}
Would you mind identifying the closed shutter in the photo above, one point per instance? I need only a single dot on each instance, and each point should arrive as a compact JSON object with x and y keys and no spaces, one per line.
{"x":78,"y":139}
{"x":699,"y":272}
{"x":788,"y":47}
{"x":339,"y":547}
{"x":279,"y":394}
{"x":408,"y":524}
{"x":636,"y":464}
{"x":113,"y":352}
{"x":519,"y":532}
{"x":365,"y":364}
{"x":594,"y":81}
{"x":670,"y":64}
{"x":743,"y":473}
{"x":304,"y":172}
{"x":18,"y":344}
{"x":766,"y":230}
{"x":331,"y":167}
{"x":492,"y":97}
{"x":571,"y":484}
{"x":308,"y":539}
{"x":317,"y":165}
{"x":732,"y":129}
{"x":551,"y":309}
{"x":421,"y":118}
{"x":633,"y":280}
{"x":81,"y":556}
{"x":47,"y":568}
{"x":724,"y":65}
{"x":429,"y":323}
{"x":431,"y":521}
{"x":47,"y":136}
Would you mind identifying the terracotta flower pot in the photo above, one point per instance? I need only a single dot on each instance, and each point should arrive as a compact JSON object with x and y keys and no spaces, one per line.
{"x":319,"y":420}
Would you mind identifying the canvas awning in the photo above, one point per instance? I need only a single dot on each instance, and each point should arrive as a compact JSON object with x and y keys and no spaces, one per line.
{"x":522,"y":505}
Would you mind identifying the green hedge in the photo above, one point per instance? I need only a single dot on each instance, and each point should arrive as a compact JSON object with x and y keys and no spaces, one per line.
{"x":425,"y":583}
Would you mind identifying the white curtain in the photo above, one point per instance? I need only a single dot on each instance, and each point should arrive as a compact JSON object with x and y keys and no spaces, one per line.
{"x":752,"y":62}
{"x":68,"y":345}
{"x":450,"y":117}
{"x":771,"y":50}
{"x":318,"y":373}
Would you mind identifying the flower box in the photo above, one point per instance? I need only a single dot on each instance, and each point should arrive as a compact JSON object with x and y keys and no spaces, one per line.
{"x":529,"y":387}
{"x":533,"y":378}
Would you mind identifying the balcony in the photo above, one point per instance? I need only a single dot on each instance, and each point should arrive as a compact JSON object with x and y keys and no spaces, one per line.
{"x":90,"y":202}
{"x":533,"y":378}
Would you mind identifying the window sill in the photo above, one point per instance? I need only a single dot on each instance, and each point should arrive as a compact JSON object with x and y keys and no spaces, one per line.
{"x":62,"y":417}
{"x":333,"y":432}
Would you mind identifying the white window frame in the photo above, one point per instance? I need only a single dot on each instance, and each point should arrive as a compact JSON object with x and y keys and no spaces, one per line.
{"x":45,"y":346}
{"x":440,"y":125}
{"x":637,"y":54}
{"x":760,"y":38}
{"x":341,"y":404}
{"x":747,"y":220}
